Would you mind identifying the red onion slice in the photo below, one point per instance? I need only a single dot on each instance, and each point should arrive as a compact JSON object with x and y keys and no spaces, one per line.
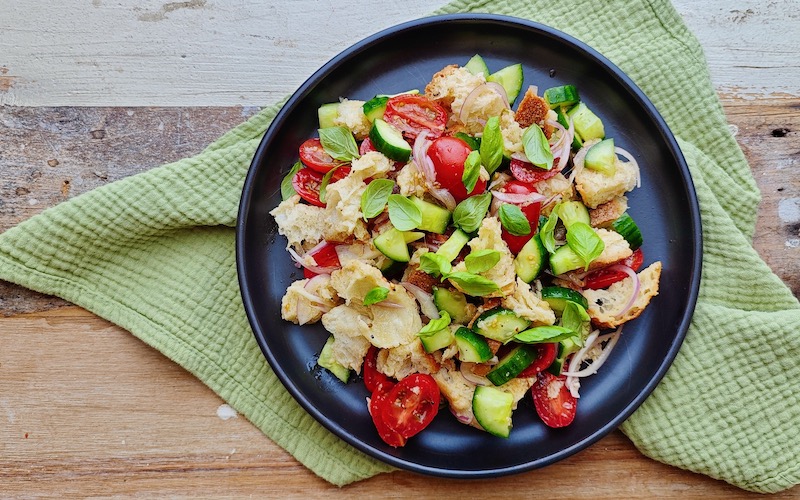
{"x":425,"y":300}
{"x":466,"y":371}
{"x":630,"y":159}
{"x":597,"y":363}
{"x":464,"y":419}
{"x":518,"y":198}
{"x":637,"y":285}
{"x":314,"y":269}
{"x":469,"y":101}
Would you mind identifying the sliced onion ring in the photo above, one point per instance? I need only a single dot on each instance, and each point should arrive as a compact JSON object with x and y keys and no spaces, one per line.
{"x":314,"y":269}
{"x":597,"y":363}
{"x":469,"y":101}
{"x":466,"y":371}
{"x":425,"y":300}
{"x":518,"y":198}
{"x":637,"y":285}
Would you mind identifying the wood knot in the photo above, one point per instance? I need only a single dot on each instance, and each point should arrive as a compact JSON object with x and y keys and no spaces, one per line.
{"x":98,"y":134}
{"x":780,"y":132}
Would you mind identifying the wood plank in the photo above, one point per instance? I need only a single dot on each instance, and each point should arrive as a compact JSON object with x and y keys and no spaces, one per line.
{"x":95,"y":412}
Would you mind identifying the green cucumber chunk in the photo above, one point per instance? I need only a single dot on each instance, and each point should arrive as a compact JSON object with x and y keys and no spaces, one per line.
{"x":565,"y":95}
{"x":434,"y":218}
{"x":375,"y":107}
{"x":389,"y":141}
{"x":587,"y":124}
{"x":510,"y":78}
{"x":437,"y":340}
{"x":452,"y":247}
{"x":453,"y":303}
{"x":500,"y":324}
{"x":392,"y":243}
{"x":564,"y":349}
{"x":512,"y":364}
{"x":327,"y":361}
{"x":561,"y":117}
{"x":557,"y":296}
{"x":477,"y":65}
{"x":573,"y":211}
{"x":565,"y":259}
{"x":628,"y":229}
{"x":327,"y":114}
{"x":472,"y":348}
{"x":530,"y":261}
{"x":492,"y":408}
{"x":602,"y":158}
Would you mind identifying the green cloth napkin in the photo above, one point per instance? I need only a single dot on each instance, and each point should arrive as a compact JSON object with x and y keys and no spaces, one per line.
{"x":154,"y":253}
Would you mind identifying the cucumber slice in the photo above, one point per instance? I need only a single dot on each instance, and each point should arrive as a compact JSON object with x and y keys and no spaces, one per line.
{"x":573,"y":211}
{"x":434,"y":218}
{"x":438,"y":340}
{"x":327,"y":361}
{"x":530,"y":261}
{"x":565,"y":348}
{"x":512,"y":364}
{"x":564,"y":259}
{"x":565,"y":95}
{"x":628,"y":229}
{"x":492,"y":408}
{"x":500,"y":324}
{"x":452,"y":247}
{"x":389,"y":141}
{"x":557,"y":296}
{"x":472,"y":348}
{"x":561,"y":116}
{"x":453,"y":303}
{"x":587,"y":124}
{"x":477,"y":65}
{"x":602,"y":157}
{"x":327,"y":114}
{"x":375,"y":107}
{"x":510,"y":78}
{"x":392,"y":243}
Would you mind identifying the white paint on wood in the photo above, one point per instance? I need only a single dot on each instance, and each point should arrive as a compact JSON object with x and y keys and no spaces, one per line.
{"x":246,"y":52}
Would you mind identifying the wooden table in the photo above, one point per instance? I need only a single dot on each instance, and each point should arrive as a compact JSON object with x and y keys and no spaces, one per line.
{"x":86,"y":409}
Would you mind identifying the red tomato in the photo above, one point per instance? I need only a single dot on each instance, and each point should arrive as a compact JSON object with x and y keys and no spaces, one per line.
{"x":377,"y":403}
{"x":373,"y":379}
{"x":307,"y":183}
{"x":604,"y":278}
{"x":531,"y":212}
{"x":530,"y":173}
{"x":324,"y":256}
{"x":411,"y":404}
{"x":314,"y":157}
{"x":411,"y":114}
{"x":545,"y":355}
{"x":558,"y":410}
{"x":448,"y":155}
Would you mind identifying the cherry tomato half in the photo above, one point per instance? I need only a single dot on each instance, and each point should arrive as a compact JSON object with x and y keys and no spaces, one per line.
{"x":377,"y":403}
{"x":373,"y":379}
{"x":411,"y":114}
{"x":530,"y":173}
{"x":604,"y":278}
{"x":448,"y":155}
{"x":324,"y":256}
{"x":531,"y":212}
{"x":313,"y":156}
{"x":559,"y":409}
{"x":307,"y":183}
{"x":411,"y":404}
{"x":545,"y":355}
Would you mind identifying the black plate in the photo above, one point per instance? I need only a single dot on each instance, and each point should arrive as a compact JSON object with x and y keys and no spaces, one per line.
{"x":665,"y":207}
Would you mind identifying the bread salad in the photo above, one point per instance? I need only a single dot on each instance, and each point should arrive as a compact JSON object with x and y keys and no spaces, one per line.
{"x":462,"y":253}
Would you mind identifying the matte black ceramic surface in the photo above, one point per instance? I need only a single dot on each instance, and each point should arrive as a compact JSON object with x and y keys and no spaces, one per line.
{"x":665,"y":207}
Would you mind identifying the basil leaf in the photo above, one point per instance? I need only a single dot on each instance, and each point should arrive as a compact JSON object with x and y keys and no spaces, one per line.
{"x":323,"y":186}
{"x":472,"y":170}
{"x":404,"y":215}
{"x":543,"y":334}
{"x":491,"y":147}
{"x":585,"y":242}
{"x":473,"y":284}
{"x":575,"y":318}
{"x":482,"y":260}
{"x":339,"y":143}
{"x":473,"y":142}
{"x":512,"y":218}
{"x":537,"y":149}
{"x":435,"y":325}
{"x":374,"y":198}
{"x":287,"y":190}
{"x":377,"y":294}
{"x":547,"y":232}
{"x":468,"y":215}
{"x":435,"y":264}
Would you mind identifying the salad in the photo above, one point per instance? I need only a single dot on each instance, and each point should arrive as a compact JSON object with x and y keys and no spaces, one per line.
{"x":463,"y":253}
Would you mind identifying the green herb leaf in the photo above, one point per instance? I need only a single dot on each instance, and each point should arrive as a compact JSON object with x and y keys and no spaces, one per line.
{"x":542,"y":334}
{"x":323,"y":186}
{"x":473,"y":142}
{"x":435,"y":325}
{"x":537,"y":149}
{"x":547,"y":232}
{"x":472,"y":171}
{"x":377,"y":294}
{"x":435,"y":264}
{"x":482,"y":260}
{"x":585,"y":242}
{"x":512,"y":218}
{"x":468,"y":214}
{"x":339,"y":143}
{"x":287,"y":190}
{"x":575,"y":318}
{"x":473,"y":284}
{"x":374,"y":198}
{"x":403,"y":213}
{"x":491,"y":147}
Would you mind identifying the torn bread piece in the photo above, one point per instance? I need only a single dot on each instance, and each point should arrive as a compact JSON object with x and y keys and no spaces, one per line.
{"x":606,"y":305}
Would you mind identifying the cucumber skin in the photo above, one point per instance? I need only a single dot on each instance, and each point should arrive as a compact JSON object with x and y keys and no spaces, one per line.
{"x":626,"y":226}
{"x":564,"y":259}
{"x":492,"y":409}
{"x":400,"y":151}
{"x":498,"y":314}
{"x":472,"y":348}
{"x":558,"y":293}
{"x":506,"y":370}
{"x":392,"y":244}
{"x":530,"y":261}
{"x":453,"y":303}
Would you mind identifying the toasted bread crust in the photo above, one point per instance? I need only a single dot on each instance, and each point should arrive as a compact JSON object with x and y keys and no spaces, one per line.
{"x":533,"y":109}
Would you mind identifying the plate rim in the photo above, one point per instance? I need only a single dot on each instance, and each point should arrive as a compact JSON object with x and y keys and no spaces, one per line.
{"x":642,"y":100}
